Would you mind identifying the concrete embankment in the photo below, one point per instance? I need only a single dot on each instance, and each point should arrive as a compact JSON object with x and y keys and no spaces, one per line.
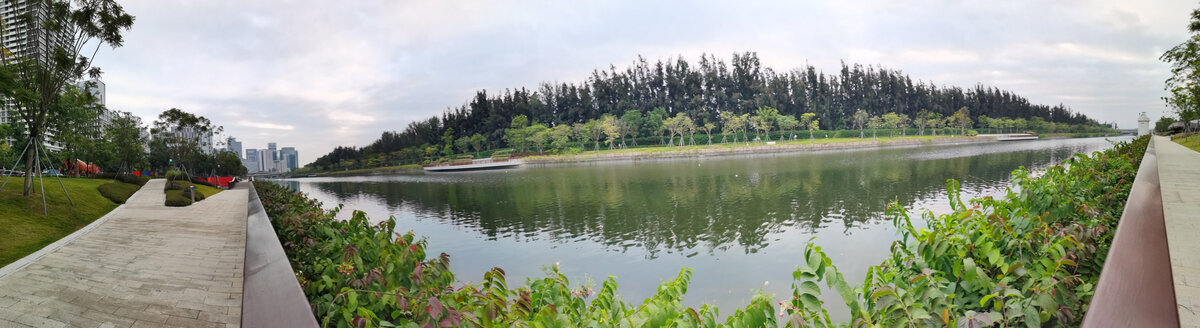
{"x":743,"y":148}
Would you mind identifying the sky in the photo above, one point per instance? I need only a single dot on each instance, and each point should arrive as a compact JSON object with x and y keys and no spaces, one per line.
{"x":319,"y":74}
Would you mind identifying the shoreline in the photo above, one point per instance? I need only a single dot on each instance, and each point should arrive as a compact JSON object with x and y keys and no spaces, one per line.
{"x":713,"y":150}
{"x":742,"y":148}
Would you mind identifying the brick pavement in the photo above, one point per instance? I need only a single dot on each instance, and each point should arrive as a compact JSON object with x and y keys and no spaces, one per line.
{"x":148,"y":265}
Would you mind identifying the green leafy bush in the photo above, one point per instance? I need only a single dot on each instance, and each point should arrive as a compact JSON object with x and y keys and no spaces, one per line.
{"x":176,"y":175}
{"x":177,"y":199}
{"x":117,"y":191}
{"x":1029,"y":258}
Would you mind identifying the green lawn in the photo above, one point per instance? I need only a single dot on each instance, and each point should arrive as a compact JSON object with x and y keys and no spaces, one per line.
{"x":25,"y":229}
{"x":1192,"y":142}
{"x":702,"y":145}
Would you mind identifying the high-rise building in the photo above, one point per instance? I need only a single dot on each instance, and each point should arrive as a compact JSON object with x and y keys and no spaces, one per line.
{"x":235,"y":147}
{"x":274,"y":153}
{"x":290,"y":157}
{"x":94,"y":87}
{"x":24,"y":38}
{"x":252,"y":163}
{"x":264,"y":160}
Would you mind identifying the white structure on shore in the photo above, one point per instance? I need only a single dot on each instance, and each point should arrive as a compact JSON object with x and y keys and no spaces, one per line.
{"x":1143,"y":124}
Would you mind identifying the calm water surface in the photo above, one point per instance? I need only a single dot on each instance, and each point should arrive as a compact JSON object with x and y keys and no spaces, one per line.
{"x":741,"y":222}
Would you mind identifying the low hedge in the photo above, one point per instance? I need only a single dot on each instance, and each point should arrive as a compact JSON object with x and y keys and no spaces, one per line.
{"x":176,"y":198}
{"x":117,"y":191}
{"x":178,"y":193}
{"x":126,"y":178}
{"x":140,"y":181}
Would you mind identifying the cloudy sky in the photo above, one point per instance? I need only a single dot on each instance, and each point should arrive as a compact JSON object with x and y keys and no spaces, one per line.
{"x":318,"y":74}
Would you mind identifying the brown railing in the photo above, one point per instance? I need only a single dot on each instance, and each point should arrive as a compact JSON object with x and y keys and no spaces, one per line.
{"x":271,"y":297}
{"x":1135,"y":287}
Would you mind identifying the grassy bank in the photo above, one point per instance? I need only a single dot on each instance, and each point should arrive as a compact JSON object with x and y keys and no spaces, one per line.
{"x":1192,"y":142}
{"x":748,"y":148}
{"x":26,"y":229}
{"x":408,"y":168}
{"x":1028,"y":258}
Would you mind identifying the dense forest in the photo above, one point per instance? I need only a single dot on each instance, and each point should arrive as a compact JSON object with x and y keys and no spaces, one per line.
{"x":702,"y":92}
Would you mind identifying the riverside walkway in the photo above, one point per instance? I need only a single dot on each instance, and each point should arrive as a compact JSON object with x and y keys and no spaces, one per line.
{"x":1179,"y":176}
{"x":143,"y":265}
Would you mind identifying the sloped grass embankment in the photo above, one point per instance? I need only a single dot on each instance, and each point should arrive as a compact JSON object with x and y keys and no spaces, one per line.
{"x":26,"y":229}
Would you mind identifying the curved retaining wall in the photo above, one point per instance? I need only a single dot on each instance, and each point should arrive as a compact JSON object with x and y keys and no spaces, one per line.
{"x":1135,"y":288}
{"x":271,"y":297}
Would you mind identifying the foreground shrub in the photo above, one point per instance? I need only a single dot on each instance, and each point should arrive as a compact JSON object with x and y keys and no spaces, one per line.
{"x":118,"y":192}
{"x":1029,"y":258}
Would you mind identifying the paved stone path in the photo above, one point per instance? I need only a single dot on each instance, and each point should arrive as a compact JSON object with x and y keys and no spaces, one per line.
{"x":1179,"y":177}
{"x":147,"y":266}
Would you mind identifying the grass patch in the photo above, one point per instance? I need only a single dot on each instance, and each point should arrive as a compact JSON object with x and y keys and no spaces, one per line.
{"x":117,"y":191}
{"x":26,"y":229}
{"x":1192,"y":142}
{"x":408,"y":168}
{"x":701,"y":145}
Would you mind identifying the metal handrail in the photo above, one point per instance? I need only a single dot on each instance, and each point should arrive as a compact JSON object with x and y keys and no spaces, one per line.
{"x":271,"y":296}
{"x":1135,"y":287}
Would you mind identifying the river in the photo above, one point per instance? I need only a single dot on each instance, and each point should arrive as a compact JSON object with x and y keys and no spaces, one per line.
{"x":741,"y":222}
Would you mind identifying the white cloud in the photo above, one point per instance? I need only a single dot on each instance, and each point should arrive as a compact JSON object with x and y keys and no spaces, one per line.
{"x":260,"y":125}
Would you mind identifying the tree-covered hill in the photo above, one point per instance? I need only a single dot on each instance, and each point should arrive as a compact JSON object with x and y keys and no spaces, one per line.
{"x":701,"y":91}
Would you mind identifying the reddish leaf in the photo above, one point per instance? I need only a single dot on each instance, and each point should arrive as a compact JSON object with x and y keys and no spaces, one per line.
{"x":434,"y":308}
{"x":452,"y":319}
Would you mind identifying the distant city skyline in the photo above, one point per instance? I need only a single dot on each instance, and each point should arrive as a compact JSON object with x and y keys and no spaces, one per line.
{"x":268,"y":159}
{"x":383,"y":65}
